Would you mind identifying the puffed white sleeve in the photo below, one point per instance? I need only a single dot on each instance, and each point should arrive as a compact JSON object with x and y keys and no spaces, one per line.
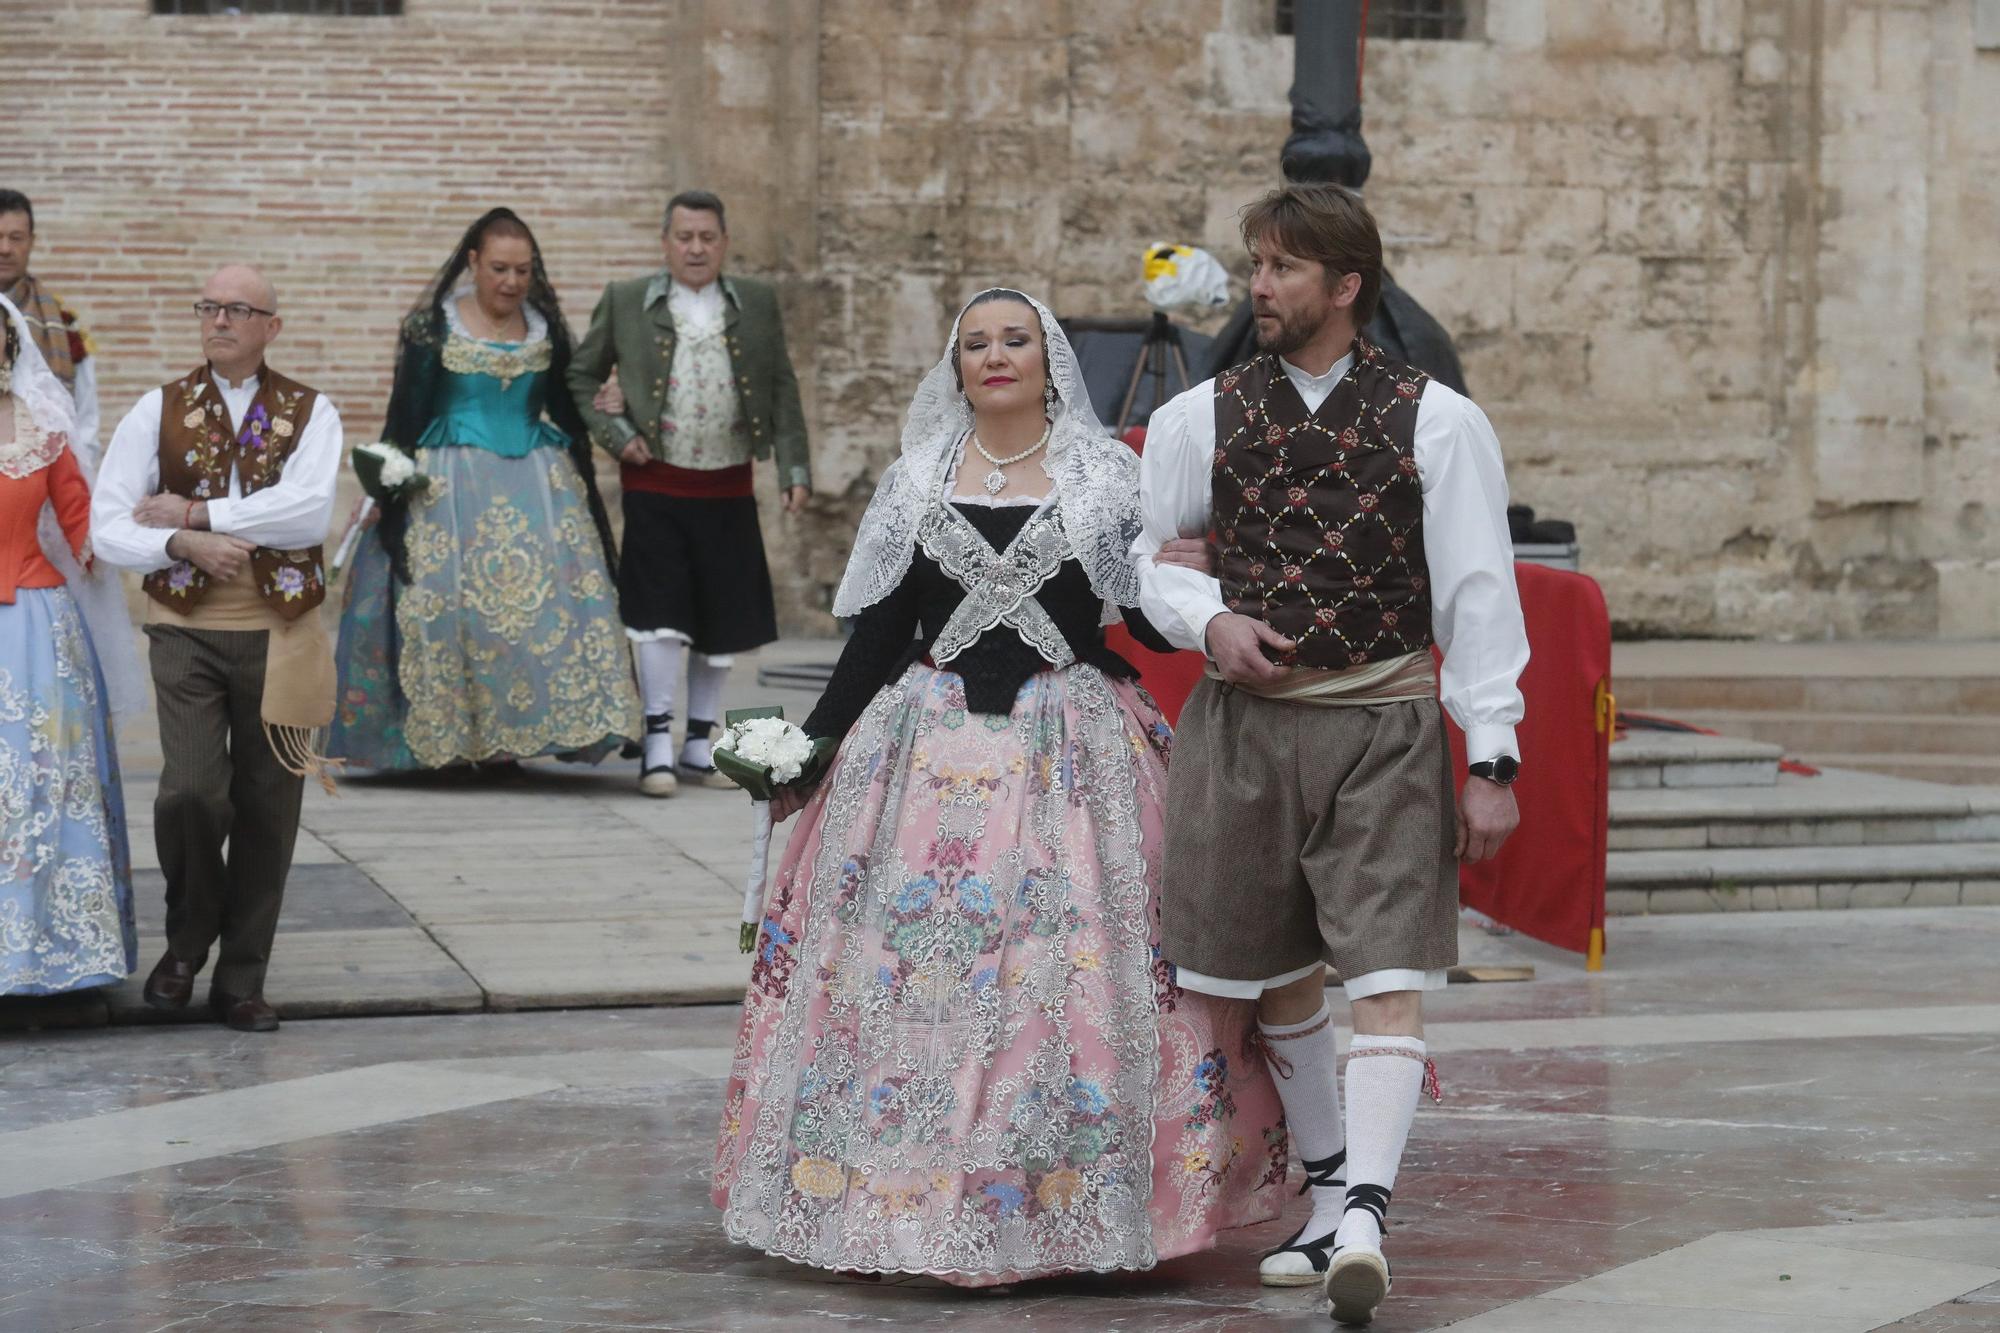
{"x":295,"y":512}
{"x":1174,"y":501}
{"x":1475,"y":607}
{"x":129,"y":473}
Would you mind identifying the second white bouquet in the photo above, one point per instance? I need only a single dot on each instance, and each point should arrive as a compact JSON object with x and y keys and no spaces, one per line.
{"x":760,"y":752}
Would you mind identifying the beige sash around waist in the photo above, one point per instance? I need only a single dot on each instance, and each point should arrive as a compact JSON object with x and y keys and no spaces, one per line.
{"x":299,"y":679}
{"x":1394,"y":680}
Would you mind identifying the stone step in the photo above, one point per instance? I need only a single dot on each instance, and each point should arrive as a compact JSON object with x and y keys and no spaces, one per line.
{"x":1673,"y":676}
{"x":1838,"y":808}
{"x":1961,"y":769}
{"x":1649,"y":759}
{"x":1929,"y":734}
{"x":1672,"y":695}
{"x":1733,"y":879}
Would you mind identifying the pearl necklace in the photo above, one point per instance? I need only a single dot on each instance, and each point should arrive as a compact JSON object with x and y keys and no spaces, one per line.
{"x":996,"y":480}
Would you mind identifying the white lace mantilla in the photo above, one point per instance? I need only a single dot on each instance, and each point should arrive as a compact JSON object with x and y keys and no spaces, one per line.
{"x":1095,"y":496}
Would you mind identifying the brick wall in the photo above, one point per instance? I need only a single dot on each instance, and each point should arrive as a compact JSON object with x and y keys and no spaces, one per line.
{"x":1720,"y":269}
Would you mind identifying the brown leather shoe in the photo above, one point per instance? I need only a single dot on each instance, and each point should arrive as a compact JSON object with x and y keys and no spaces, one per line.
{"x":171,"y":985}
{"x":244,"y":1013}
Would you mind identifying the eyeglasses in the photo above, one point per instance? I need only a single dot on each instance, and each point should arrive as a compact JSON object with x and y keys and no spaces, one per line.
{"x":236,"y":310}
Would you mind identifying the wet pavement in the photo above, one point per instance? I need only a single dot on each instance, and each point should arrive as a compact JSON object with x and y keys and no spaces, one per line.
{"x":1746,"y":1123}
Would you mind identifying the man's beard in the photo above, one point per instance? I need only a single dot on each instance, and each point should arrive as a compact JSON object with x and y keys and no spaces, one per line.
{"x":1293,"y":332}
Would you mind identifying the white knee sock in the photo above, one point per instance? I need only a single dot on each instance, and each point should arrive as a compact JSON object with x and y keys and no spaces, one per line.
{"x":1385,"y":1077}
{"x":706,"y":677}
{"x":1307,"y":1070}
{"x":659,"y":677}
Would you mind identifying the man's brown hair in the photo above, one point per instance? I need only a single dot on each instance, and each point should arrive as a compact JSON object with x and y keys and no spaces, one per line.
{"x":1328,"y":223}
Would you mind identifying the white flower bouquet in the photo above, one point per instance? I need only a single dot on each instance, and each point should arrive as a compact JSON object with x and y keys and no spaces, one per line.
{"x":760,"y":752}
{"x":386,"y":473}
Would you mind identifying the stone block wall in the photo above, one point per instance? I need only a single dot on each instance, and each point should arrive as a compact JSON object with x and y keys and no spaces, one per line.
{"x":1721,"y":270}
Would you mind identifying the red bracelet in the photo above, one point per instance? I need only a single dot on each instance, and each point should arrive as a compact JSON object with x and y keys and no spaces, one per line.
{"x":187,"y":520}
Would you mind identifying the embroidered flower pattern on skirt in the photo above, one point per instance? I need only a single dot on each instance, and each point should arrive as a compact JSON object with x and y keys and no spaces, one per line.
{"x":66,"y":918}
{"x":956,"y":1054}
{"x":509,"y":639}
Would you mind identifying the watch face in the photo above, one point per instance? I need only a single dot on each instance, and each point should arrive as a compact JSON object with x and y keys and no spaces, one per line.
{"x":1506,"y":768}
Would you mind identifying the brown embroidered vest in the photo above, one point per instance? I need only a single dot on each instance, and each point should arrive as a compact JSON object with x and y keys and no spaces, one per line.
{"x":198,"y":446}
{"x":1319,"y":516}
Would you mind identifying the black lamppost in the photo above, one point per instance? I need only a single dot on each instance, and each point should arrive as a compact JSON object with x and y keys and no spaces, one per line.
{"x":1326,"y":145}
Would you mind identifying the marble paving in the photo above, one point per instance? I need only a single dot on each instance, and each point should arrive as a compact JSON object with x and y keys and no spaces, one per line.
{"x":560,"y":886}
{"x":1745,"y":1125}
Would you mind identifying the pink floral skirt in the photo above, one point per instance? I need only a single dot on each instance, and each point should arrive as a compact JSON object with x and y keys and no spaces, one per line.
{"x":960,"y":1053}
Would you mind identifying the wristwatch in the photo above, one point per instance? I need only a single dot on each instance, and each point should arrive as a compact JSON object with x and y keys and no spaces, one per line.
{"x":1501,"y":771}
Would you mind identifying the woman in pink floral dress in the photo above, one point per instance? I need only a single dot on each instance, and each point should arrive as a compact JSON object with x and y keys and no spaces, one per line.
{"x":960,"y":1053}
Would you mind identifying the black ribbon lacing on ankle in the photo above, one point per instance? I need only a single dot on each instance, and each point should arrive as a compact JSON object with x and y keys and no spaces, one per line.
{"x":1324,"y":1170}
{"x":658,"y":723}
{"x":1370,"y":1199}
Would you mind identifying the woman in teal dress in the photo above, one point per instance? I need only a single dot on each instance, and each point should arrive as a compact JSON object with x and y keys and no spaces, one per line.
{"x":480,"y":622}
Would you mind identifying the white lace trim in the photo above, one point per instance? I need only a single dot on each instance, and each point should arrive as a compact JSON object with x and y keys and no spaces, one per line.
{"x":44,"y":419}
{"x":538,"y":328}
{"x":1096,"y":483}
{"x":34,"y":446}
{"x":1001,"y":502}
{"x":1000,"y":586}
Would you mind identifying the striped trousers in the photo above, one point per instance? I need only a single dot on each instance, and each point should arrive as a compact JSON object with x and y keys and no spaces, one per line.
{"x":227,"y":815}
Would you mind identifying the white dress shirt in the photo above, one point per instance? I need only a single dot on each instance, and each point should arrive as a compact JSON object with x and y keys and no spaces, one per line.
{"x":1475,"y":609}
{"x":288,"y":516}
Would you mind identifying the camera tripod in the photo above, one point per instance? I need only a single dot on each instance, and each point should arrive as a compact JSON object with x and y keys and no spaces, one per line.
{"x":1163,"y":340}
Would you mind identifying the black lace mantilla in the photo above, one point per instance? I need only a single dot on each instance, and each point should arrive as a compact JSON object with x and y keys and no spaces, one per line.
{"x":899,"y":629}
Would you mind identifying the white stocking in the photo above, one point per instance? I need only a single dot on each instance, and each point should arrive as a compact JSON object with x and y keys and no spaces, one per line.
{"x":1304,"y":1060}
{"x":1385,"y":1077}
{"x":659,"y":677}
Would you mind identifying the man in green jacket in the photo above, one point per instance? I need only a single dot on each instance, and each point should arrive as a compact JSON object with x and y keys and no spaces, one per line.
{"x":703,"y":387}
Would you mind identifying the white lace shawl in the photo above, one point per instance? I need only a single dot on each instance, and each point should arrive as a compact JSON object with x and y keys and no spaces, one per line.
{"x":1096,"y":483}
{"x":99,"y":595}
{"x":45,"y":427}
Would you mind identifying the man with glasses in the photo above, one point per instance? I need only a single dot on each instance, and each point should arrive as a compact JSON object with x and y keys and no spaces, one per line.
{"x":218,"y":487}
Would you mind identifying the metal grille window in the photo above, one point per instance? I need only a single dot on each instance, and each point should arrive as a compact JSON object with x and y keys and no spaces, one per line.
{"x":332,"y":8}
{"x":1404,"y":20}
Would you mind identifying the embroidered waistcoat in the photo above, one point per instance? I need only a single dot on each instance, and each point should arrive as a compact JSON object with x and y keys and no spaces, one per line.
{"x":198,"y":447}
{"x":1319,"y":516}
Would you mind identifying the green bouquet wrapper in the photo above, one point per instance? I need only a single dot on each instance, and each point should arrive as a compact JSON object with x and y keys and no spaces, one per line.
{"x":756,"y":780}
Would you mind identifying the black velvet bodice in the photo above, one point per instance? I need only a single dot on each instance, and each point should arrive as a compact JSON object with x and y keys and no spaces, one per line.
{"x":900,"y":628}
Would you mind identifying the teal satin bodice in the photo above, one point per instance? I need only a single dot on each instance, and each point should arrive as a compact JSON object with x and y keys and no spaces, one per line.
{"x":491,"y":397}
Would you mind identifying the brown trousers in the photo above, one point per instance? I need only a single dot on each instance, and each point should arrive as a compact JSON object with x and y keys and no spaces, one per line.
{"x":1299,"y":834}
{"x":227,"y":815}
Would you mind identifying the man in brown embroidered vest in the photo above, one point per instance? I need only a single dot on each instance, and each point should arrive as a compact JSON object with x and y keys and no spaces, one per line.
{"x":218,"y":488}
{"x":1353,"y":513}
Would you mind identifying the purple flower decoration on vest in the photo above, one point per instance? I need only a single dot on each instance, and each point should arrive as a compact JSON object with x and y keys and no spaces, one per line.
{"x":255,"y":423}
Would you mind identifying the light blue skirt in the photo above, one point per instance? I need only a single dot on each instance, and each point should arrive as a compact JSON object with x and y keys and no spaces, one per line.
{"x":506,"y":644}
{"x":65,"y":867}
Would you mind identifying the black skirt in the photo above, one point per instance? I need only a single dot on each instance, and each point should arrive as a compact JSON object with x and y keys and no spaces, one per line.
{"x":696,"y":567}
